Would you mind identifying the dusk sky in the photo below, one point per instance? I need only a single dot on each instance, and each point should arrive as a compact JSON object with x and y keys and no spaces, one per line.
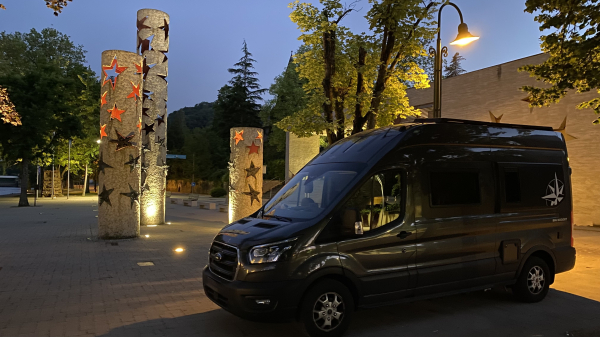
{"x":206,"y":36}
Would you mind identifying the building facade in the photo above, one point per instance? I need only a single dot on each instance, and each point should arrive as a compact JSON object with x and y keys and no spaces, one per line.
{"x":494,"y":93}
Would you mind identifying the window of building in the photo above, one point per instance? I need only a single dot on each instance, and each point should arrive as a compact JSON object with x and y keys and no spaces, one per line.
{"x":454,"y":188}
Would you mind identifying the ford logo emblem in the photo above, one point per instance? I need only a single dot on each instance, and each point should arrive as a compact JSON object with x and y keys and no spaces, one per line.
{"x":218,"y":257}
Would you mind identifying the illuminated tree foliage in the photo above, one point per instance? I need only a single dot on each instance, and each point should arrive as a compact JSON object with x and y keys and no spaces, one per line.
{"x":8,"y":114}
{"x":572,"y":47}
{"x":358,"y":81}
{"x":56,"y":5}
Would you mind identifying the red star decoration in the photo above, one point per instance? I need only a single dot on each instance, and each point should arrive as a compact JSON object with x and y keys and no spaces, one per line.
{"x":135,"y":93}
{"x":253,"y":148}
{"x":103,"y":131}
{"x":103,"y":99}
{"x":118,"y":70}
{"x":238,"y":136}
{"x":138,"y":68}
{"x":259,"y":136}
{"x":139,"y":125}
{"x":115,"y":113}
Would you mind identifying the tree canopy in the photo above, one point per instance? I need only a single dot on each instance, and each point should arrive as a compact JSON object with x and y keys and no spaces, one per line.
{"x":47,"y":81}
{"x":357,"y":81}
{"x":572,"y":46}
{"x":454,"y":68}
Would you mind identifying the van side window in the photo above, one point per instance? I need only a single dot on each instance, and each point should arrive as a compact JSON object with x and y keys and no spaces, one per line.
{"x":454,"y":188}
{"x":512,"y":187}
{"x":376,"y":203}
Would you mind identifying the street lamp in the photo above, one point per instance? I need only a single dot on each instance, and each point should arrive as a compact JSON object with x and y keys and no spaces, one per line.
{"x":463,"y":38}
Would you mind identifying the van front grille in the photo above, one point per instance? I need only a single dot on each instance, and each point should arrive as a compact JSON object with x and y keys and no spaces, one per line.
{"x":223,"y":260}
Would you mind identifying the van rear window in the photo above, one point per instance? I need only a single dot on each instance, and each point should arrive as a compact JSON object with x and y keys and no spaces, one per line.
{"x":454,"y":188}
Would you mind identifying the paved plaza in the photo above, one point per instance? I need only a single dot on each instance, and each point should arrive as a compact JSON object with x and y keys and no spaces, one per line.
{"x":57,"y":280}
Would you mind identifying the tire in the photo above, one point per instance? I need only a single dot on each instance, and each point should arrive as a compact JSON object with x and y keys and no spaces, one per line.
{"x":326,"y":309}
{"x":533,"y":282}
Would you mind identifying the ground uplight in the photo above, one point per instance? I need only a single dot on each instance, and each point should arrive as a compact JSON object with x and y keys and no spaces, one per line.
{"x":179,"y":250}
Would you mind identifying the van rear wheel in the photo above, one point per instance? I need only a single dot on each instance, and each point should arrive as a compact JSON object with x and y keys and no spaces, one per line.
{"x":326,"y":309}
{"x":533,"y":283}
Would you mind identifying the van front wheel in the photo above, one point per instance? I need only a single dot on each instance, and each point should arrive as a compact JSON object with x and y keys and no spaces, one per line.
{"x":534,"y":281}
{"x":326,"y":309}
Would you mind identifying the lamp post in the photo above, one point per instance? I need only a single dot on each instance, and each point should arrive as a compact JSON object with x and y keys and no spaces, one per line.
{"x":463,"y":38}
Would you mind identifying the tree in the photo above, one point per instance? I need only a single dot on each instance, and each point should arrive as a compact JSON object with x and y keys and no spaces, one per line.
{"x":454,"y":68}
{"x":237,"y":104}
{"x":40,"y":71}
{"x":359,"y":80}
{"x":572,"y":47}
{"x":56,"y":5}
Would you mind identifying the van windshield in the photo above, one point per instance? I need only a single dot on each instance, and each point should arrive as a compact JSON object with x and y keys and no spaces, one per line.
{"x":312,"y":190}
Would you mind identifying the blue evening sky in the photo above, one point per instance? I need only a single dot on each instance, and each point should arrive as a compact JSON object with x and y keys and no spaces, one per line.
{"x":206,"y":36}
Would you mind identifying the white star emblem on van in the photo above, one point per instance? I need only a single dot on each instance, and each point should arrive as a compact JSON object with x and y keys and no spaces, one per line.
{"x":555,"y":191}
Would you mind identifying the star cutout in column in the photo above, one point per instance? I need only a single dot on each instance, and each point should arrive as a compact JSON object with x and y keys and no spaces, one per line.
{"x":253,"y":194}
{"x":102,"y":165}
{"x":118,"y":70}
{"x":103,"y":98}
{"x":160,"y":119}
{"x":253,"y":148}
{"x":103,"y":131}
{"x":145,"y":109}
{"x":238,"y":136}
{"x":144,"y":168}
{"x":133,"y":162}
{"x":138,"y":68}
{"x":123,"y":141}
{"x":149,"y":128}
{"x":252,"y":170}
{"x":133,"y":195}
{"x":164,"y":166}
{"x":139,"y":125}
{"x":160,"y":142}
{"x":104,"y":196}
{"x":145,"y":188}
{"x":115,"y":113}
{"x":146,"y":148}
{"x":260,"y":136}
{"x":135,"y":91}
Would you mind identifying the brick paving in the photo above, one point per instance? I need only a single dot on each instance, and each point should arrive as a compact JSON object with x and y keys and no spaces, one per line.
{"x":55,"y":281}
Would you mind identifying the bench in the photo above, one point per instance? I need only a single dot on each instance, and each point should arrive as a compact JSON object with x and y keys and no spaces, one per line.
{"x":208,"y":205}
{"x":192,"y":200}
{"x":224,"y":208}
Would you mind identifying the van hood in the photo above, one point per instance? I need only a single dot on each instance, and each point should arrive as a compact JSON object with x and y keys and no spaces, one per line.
{"x":249,"y":232}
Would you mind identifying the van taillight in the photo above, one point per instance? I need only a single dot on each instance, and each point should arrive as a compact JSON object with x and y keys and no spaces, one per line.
{"x":572,"y":224}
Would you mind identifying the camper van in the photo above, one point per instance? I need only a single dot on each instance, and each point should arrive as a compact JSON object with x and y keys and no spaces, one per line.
{"x":402,"y":213}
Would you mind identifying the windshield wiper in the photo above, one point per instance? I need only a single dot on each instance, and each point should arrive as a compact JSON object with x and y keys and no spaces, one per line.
{"x":278,"y":217}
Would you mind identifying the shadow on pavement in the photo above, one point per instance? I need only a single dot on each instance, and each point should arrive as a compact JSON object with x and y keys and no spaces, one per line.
{"x":486,"y":314}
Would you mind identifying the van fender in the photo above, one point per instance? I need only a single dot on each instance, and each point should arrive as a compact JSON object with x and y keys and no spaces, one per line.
{"x":533,"y":250}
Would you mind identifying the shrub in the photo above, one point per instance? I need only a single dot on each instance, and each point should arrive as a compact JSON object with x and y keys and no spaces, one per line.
{"x":218,"y":192}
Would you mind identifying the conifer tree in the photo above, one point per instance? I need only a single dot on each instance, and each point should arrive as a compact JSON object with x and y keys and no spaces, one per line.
{"x":454,"y":68}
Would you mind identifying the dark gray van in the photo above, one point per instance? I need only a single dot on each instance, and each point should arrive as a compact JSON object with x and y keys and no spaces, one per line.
{"x":402,"y":213}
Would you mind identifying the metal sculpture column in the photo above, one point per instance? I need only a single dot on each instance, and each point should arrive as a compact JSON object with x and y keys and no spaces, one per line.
{"x":120,"y":142}
{"x":152,"y":44}
{"x":245,"y":172}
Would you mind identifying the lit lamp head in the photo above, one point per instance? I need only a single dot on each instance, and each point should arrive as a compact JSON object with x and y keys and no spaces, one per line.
{"x":463,"y":37}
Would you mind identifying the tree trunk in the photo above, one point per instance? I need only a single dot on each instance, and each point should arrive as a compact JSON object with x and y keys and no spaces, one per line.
{"x":358,"y":123}
{"x":23,"y":202}
{"x":85,"y":181}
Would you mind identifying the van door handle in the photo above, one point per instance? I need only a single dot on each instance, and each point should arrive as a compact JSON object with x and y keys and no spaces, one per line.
{"x":404,"y":234}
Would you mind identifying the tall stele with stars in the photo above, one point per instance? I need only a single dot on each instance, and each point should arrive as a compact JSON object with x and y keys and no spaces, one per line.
{"x":245,"y":172}
{"x":120,"y":145}
{"x":152,"y":44}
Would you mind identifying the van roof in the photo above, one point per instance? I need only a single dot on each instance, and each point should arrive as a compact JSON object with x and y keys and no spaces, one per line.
{"x":364,"y":146}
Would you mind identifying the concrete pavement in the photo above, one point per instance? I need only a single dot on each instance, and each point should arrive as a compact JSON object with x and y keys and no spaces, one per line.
{"x":54,"y":281}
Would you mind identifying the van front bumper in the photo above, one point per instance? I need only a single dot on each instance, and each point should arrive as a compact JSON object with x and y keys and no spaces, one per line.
{"x":257,"y":301}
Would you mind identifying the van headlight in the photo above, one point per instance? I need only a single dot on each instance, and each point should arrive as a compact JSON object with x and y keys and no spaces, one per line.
{"x":270,"y":252}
